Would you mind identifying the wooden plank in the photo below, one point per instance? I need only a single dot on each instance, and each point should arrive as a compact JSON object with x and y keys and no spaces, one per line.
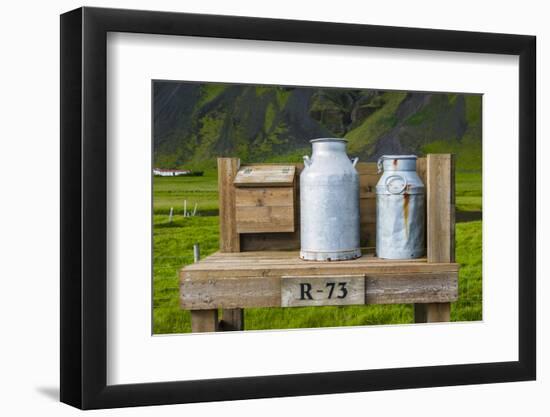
{"x":367,"y":209}
{"x":291,"y":258}
{"x":265,"y":291}
{"x":367,"y":185}
{"x":268,"y":268}
{"x":264,"y":197}
{"x":294,"y":258}
{"x":368,"y":234}
{"x":271,"y":241}
{"x":219,"y":264}
{"x":204,"y":321}
{"x":229,"y":293}
{"x":232,"y":319}
{"x":332,"y":290}
{"x":265,"y":219}
{"x":440,"y":227}
{"x":408,"y":288}
{"x":229,"y":238}
{"x":367,"y":168}
{"x":265,"y":175}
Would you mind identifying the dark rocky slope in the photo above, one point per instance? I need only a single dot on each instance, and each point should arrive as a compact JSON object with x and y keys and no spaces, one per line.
{"x":194,"y":123}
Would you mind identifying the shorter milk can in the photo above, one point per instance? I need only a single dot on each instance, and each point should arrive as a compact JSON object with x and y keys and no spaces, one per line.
{"x":400,"y":209}
{"x":329,"y":203}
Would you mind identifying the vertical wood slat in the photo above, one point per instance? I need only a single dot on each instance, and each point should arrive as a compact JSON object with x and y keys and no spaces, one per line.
{"x":440,"y":208}
{"x":232,"y":319}
{"x":440,"y":226}
{"x":229,"y":238}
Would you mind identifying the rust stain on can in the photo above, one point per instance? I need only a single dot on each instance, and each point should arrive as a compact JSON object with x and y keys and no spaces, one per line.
{"x":406,"y":198}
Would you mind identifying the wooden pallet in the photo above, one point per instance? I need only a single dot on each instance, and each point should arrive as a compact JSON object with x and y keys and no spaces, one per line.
{"x":258,"y":269}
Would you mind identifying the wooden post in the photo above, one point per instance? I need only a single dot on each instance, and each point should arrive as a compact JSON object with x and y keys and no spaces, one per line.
{"x":441,"y":208}
{"x":232,"y":319}
{"x":229,"y":238}
{"x":204,"y":320}
{"x":196,"y":252}
{"x":440,"y":227}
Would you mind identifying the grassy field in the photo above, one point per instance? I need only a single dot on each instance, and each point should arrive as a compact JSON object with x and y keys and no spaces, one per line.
{"x":173,"y":248}
{"x":172,"y":191}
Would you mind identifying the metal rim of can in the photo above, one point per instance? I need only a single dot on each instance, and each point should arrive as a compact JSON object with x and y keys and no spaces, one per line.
{"x":328,"y":140}
{"x":379,"y":163}
{"x":396,"y":176}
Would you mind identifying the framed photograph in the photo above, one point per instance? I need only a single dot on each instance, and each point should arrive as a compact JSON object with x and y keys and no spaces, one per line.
{"x":259,"y":208}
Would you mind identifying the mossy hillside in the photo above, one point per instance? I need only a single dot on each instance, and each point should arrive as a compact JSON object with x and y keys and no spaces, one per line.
{"x":363,"y":138}
{"x":195,"y":123}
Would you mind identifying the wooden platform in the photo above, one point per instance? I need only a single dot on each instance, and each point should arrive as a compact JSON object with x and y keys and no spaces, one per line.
{"x":253,"y":279}
{"x":258,"y":263}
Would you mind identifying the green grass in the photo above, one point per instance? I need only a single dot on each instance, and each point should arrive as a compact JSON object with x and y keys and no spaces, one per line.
{"x":469,"y":255}
{"x":173,"y":248}
{"x":468,"y":191}
{"x":172,"y":191}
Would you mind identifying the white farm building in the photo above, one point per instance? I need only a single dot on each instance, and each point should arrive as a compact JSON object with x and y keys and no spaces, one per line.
{"x":170,"y":172}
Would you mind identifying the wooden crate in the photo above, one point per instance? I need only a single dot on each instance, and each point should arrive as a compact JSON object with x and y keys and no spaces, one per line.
{"x":254,"y":262}
{"x":265,"y":199}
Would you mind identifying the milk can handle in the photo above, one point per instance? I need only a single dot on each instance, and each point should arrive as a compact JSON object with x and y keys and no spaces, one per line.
{"x":379,"y":164}
{"x":307,"y":161}
{"x":396,"y":176}
{"x":354,"y":161}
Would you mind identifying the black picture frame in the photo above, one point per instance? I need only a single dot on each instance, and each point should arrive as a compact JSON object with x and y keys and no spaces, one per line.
{"x":84,"y":207}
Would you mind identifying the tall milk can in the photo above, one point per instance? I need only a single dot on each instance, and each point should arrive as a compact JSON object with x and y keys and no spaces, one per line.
{"x":400,"y":209}
{"x":329,"y":203}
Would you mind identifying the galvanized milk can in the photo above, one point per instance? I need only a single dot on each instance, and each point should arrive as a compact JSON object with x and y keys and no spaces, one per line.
{"x":400,"y":209}
{"x":329,"y":203}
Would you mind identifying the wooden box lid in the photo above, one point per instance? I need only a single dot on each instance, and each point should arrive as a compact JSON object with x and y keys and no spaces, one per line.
{"x":265,"y":175}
